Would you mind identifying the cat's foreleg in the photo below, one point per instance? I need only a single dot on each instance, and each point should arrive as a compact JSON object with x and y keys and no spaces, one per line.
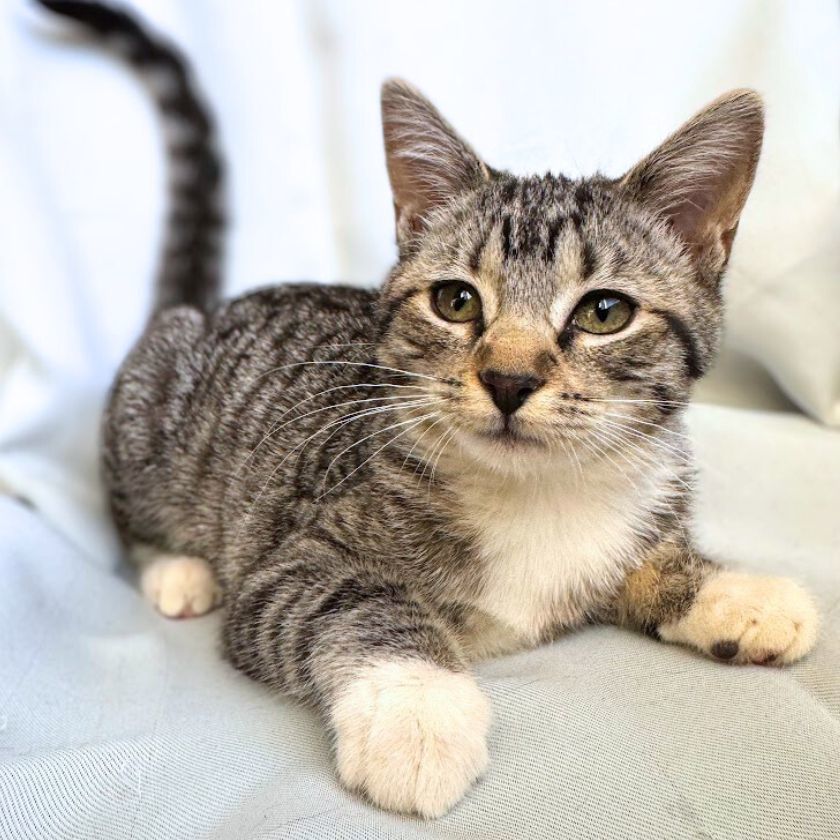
{"x":409,"y":721}
{"x":681,"y":597}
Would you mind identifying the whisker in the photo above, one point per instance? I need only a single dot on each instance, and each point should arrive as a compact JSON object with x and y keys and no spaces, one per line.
{"x":328,"y":362}
{"x":426,"y":462}
{"x":620,"y":443}
{"x":655,"y":402}
{"x":605,"y":453}
{"x":646,"y":423}
{"x":414,"y":421}
{"x":336,"y":425}
{"x":677,"y":519}
{"x":416,"y":442}
{"x":662,"y":445}
{"x":346,"y":402}
{"x":451,"y":432}
{"x":423,"y":388}
{"x":570,"y":449}
{"x":278,"y":425}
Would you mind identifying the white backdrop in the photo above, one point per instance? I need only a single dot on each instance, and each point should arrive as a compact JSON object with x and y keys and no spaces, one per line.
{"x":533,"y":85}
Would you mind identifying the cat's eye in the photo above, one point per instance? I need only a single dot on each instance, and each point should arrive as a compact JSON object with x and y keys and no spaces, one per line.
{"x":603,"y":313}
{"x":456,"y":301}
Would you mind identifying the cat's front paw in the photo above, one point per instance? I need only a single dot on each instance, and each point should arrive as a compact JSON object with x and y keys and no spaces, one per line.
{"x":745,"y":618}
{"x":411,"y":736}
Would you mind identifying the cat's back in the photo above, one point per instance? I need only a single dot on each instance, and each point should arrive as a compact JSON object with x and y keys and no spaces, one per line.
{"x":199,"y":392}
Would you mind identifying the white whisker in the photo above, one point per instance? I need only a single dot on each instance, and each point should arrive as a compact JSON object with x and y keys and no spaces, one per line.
{"x":278,"y":425}
{"x":328,"y":362}
{"x":451,"y":434}
{"x":415,"y":421}
{"x":655,"y":442}
{"x":647,"y":423}
{"x":416,"y":443}
{"x":632,"y":401}
{"x":336,"y":425}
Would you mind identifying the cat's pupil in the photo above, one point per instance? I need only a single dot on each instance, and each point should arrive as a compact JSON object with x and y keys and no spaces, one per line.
{"x":604,"y":307}
{"x":461,"y":300}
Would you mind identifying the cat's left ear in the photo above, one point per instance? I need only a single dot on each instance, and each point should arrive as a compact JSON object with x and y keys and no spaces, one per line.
{"x":699,"y":178}
{"x":428,"y":163}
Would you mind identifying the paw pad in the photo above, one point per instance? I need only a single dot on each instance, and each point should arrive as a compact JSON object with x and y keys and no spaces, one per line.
{"x":725,"y":650}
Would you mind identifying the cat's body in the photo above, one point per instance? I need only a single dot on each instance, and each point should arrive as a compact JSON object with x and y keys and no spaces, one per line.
{"x":233,"y":485}
{"x":483,"y":455}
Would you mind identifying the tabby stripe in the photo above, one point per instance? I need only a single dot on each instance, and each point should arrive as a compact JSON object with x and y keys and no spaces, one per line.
{"x":665,"y":404}
{"x":588,"y":261}
{"x":394,"y":306}
{"x":477,"y":252}
{"x":506,"y":243}
{"x":679,"y":328}
{"x":554,"y":230}
{"x":348,"y":595}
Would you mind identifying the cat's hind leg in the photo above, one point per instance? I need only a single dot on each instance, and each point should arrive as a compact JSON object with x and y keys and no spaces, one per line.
{"x":180,"y":586}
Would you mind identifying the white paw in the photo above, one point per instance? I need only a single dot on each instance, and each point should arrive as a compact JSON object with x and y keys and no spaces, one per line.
{"x":745,"y":618}
{"x":411,"y":736}
{"x":180,"y":586}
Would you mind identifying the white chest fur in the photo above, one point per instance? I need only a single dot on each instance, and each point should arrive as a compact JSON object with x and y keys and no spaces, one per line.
{"x":553,"y":545}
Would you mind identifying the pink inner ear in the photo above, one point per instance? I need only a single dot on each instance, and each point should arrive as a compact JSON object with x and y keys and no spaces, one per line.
{"x":428,"y":163}
{"x":690,"y":218}
{"x":699,"y":178}
{"x":709,"y":214}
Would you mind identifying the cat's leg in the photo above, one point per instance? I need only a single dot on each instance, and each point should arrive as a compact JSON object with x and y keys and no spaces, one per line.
{"x":681,"y":597}
{"x":179,"y":585}
{"x":409,"y":721}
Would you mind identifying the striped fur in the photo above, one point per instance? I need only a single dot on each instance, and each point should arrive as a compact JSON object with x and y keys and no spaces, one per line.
{"x":191,"y":264}
{"x":374,"y":521}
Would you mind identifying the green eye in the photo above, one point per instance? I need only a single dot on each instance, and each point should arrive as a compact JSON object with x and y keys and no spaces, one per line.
{"x":602,"y":313}
{"x":456,"y":301}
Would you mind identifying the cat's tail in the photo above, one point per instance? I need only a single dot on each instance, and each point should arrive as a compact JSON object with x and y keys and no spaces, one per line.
{"x":191,"y":264}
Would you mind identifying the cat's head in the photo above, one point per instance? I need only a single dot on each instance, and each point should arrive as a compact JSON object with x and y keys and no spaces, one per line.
{"x":548,"y":313}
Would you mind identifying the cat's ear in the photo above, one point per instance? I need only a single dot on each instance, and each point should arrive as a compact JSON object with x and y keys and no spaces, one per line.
{"x":699,"y":178}
{"x":428,"y":163}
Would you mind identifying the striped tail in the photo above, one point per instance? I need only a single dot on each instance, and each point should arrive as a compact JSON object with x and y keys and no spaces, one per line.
{"x":191,"y":264}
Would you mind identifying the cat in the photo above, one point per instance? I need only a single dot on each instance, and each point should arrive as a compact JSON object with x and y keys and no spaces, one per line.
{"x":488,"y":452}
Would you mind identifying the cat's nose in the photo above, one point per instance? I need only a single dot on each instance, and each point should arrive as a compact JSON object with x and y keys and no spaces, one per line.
{"x":509,"y":391}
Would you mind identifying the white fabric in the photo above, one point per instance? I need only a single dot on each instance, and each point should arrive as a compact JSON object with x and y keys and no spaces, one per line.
{"x":115,"y":723}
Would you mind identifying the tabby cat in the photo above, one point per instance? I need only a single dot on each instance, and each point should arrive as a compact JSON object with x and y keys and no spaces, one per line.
{"x":387,"y":485}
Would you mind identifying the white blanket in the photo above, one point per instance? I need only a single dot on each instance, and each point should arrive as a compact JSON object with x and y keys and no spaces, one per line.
{"x":116,"y":723}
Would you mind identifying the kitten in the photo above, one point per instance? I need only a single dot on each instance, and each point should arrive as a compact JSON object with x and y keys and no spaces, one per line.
{"x":479,"y":457}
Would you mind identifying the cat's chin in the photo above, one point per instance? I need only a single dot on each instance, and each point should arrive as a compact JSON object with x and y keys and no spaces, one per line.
{"x":506,"y":437}
{"x":516,"y":452}
{"x":504,"y":449}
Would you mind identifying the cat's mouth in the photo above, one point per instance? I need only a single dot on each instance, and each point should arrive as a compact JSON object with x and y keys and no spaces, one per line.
{"x":510,"y":436}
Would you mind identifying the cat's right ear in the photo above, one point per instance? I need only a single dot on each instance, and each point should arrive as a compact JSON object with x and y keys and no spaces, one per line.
{"x":428,"y":163}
